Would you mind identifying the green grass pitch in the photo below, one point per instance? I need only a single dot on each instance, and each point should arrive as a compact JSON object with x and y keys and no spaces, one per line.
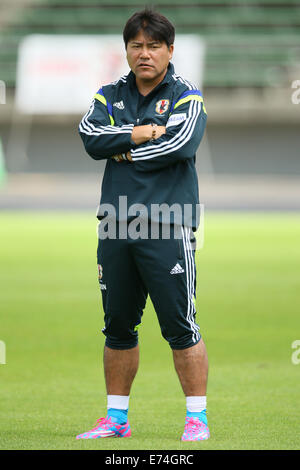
{"x":52,"y":385}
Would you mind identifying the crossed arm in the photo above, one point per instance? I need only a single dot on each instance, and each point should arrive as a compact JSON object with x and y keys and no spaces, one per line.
{"x":140,"y":135}
{"x":177,"y":141}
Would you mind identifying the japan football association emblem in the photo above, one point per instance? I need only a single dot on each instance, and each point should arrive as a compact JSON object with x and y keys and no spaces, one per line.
{"x":162,"y":106}
{"x":100,"y":272}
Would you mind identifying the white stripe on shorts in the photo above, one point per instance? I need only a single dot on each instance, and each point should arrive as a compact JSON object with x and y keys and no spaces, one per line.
{"x":190,"y":279}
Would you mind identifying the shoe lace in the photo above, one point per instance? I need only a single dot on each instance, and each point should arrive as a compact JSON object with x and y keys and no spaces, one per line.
{"x":99,"y":422}
{"x":192,"y":425}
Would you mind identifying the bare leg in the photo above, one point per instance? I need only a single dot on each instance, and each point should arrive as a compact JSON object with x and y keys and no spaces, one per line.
{"x":120,"y":368}
{"x":191,"y":365}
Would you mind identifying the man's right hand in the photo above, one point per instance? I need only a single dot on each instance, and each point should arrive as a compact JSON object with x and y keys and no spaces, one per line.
{"x":141,"y":134}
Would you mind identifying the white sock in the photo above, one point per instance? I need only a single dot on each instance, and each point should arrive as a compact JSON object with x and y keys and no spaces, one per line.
{"x":196,"y":404}
{"x":120,"y":402}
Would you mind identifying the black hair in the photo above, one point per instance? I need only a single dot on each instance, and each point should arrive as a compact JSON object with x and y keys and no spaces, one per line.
{"x":154,"y":25}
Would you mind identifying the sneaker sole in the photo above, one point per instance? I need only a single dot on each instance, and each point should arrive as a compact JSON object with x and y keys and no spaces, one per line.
{"x":199,"y":439}
{"x":101,"y":436}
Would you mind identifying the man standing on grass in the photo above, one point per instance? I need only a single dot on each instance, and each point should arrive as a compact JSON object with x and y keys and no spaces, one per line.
{"x":148,"y":125}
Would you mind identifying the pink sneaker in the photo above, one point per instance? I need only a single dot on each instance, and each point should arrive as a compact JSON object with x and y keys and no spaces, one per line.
{"x":106,"y":427}
{"x":195,"y":430}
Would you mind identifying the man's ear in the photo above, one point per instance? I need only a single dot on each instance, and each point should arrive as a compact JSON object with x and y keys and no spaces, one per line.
{"x":171,"y":50}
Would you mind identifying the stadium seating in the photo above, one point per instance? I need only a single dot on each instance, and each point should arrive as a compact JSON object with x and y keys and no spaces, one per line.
{"x":250,"y":43}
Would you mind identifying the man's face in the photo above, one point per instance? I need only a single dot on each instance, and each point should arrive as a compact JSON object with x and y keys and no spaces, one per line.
{"x":148,"y":58}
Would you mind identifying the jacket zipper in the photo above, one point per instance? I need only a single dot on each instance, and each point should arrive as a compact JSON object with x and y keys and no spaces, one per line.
{"x":138,"y":119}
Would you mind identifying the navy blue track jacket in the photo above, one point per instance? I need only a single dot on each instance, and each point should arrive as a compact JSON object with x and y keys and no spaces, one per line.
{"x":162,"y":171}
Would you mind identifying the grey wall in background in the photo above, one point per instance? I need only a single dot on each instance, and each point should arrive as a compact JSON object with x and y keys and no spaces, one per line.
{"x":225,"y":150}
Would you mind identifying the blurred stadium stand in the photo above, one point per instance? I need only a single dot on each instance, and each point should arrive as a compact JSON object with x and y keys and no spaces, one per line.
{"x":252,"y":43}
{"x":253,"y":56}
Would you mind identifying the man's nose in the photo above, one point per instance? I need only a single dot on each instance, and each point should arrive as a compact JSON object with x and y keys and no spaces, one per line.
{"x":145,"y":53}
